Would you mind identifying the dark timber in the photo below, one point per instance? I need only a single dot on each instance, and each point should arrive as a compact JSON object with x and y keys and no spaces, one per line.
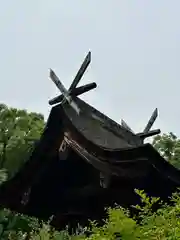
{"x":85,"y":162}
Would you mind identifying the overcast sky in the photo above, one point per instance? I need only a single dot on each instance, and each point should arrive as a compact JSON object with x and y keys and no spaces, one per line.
{"x":135,"y":48}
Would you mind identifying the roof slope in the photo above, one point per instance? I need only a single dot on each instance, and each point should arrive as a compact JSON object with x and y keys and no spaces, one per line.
{"x":124,"y":156}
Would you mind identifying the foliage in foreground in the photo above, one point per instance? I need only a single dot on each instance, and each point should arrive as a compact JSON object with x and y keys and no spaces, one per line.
{"x":18,"y":131}
{"x":162,"y":224}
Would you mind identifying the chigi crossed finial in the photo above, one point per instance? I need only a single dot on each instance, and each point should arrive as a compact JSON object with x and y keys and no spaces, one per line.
{"x":147,"y":132}
{"x":67,"y":95}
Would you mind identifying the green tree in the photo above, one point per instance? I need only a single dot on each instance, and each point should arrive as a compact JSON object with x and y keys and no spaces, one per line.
{"x":168,"y":145}
{"x":18,"y":131}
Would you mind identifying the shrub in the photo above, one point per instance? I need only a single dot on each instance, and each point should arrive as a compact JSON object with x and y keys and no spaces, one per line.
{"x":162,"y":224}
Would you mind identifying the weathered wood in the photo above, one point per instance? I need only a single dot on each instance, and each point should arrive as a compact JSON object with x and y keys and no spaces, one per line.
{"x":81,"y":71}
{"x":66,"y":94}
{"x":149,"y":134}
{"x":124,"y":125}
{"x":75,"y":92}
{"x":64,"y":91}
{"x":151,"y":121}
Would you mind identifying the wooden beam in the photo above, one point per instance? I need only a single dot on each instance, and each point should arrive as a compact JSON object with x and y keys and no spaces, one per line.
{"x":148,"y":134}
{"x":151,"y":121}
{"x":64,"y":91}
{"x":124,"y":125}
{"x":75,"y":92}
{"x":81,"y":71}
{"x":66,"y":94}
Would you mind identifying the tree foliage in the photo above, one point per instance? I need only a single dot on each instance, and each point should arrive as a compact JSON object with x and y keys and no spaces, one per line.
{"x":18,"y":130}
{"x":162,"y":224}
{"x":168,"y":146}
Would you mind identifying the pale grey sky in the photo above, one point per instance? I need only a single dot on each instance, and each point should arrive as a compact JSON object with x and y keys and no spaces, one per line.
{"x":135,"y":48}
